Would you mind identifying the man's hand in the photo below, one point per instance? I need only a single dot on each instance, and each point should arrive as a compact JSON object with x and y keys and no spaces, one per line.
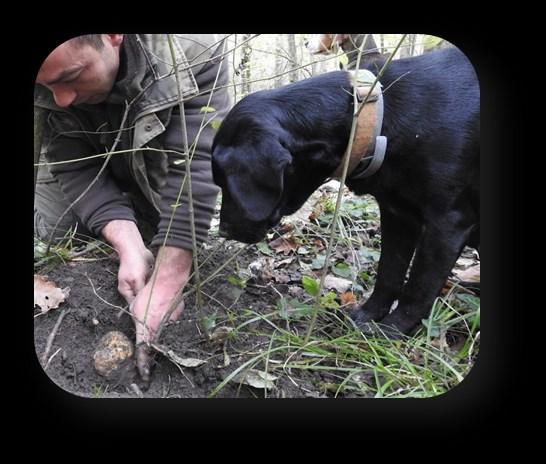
{"x":151,"y":306}
{"x":135,"y":260}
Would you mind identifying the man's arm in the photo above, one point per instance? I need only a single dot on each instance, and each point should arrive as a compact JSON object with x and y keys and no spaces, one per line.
{"x":104,"y":201}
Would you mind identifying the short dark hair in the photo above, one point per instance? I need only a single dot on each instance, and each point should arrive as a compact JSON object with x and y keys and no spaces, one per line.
{"x":95,"y":40}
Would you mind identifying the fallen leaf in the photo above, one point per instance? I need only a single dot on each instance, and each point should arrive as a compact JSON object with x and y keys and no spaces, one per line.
{"x":256,"y":379}
{"x":284,"y":245}
{"x":465,"y":262}
{"x":347,"y":298}
{"x":264,"y":248}
{"x":282,"y":262}
{"x":471,"y":274}
{"x":220,"y":335}
{"x":47,"y":295}
{"x":281,"y":277}
{"x":317,"y":211}
{"x":285,"y":227}
{"x":336,"y":283}
{"x":185,"y":362}
{"x":342,"y":270}
{"x":318,"y":262}
{"x":319,"y":244}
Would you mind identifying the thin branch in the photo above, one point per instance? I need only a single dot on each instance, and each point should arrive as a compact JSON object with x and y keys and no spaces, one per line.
{"x":121,"y":308}
{"x":108,"y":153}
{"x":346,"y":159}
{"x":188,"y":172}
{"x":52,"y":335}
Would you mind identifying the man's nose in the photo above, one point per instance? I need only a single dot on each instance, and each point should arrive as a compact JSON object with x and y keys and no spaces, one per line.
{"x":64,"y":97}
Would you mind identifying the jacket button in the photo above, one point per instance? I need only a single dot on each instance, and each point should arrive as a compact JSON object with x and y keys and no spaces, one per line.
{"x":148,"y":127}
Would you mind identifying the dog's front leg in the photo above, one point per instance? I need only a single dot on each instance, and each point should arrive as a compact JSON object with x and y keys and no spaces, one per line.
{"x":398,"y":240}
{"x":437,"y":251}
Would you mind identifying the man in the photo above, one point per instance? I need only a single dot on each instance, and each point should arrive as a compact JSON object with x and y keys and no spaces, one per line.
{"x":115,"y":92}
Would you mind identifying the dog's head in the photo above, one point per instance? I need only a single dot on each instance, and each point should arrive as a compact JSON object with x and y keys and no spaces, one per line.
{"x":252,"y":180}
{"x":275,"y":147}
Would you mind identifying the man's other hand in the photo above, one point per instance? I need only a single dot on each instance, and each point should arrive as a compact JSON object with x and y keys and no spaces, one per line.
{"x":152,"y":305}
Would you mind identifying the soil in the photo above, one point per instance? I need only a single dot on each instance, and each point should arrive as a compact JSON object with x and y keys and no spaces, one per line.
{"x":89,"y":314}
{"x":237,"y":295}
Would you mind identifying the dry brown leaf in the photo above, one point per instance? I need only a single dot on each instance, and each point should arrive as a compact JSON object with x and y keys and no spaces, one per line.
{"x":317,"y":211}
{"x":286,"y":227}
{"x":319,"y":244}
{"x":347,"y":298}
{"x":47,"y":295}
{"x":283,"y":245}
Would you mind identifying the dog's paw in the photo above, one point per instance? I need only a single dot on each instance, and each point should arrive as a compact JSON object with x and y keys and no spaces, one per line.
{"x":397,"y":324}
{"x":360,"y":316}
{"x":393,"y":326}
{"x":380,"y":330}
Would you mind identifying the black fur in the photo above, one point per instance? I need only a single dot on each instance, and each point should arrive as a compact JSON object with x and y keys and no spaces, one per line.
{"x":276,"y":147}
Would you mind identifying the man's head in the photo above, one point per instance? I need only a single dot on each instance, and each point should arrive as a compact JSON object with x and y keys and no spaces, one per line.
{"x":82,"y":70}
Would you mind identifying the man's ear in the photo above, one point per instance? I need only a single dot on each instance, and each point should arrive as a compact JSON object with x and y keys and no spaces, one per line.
{"x":258,"y":189}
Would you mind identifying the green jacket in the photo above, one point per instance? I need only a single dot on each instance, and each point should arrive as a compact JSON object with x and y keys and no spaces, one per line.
{"x":147,"y":85}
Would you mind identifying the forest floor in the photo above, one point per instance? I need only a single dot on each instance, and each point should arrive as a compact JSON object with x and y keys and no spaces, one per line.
{"x":248,"y":339}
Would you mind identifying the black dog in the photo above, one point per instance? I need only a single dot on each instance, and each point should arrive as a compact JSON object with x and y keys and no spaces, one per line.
{"x":276,"y":147}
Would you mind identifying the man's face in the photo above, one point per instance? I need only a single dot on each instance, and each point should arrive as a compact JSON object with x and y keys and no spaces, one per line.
{"x":80,"y":73}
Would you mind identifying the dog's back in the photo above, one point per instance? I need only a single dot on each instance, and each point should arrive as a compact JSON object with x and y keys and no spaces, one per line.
{"x":432,"y":123}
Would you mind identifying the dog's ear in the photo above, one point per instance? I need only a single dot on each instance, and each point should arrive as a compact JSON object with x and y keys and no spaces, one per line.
{"x":258,"y":185}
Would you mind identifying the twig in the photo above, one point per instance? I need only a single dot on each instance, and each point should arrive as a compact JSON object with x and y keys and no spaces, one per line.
{"x":357,"y":110}
{"x":52,"y":356}
{"x":123,"y":309}
{"x":171,"y":358}
{"x":198,"y":299}
{"x":52,"y":335}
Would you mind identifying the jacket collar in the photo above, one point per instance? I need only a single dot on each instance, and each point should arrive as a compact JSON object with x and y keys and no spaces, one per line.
{"x":153,"y":86}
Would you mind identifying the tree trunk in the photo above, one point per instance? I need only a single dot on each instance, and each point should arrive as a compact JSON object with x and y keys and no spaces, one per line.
{"x":293,"y":75}
{"x":408,"y":47}
{"x":279,"y":59}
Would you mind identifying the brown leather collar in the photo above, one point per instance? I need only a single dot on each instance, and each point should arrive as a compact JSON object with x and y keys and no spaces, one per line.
{"x":368,"y":150}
